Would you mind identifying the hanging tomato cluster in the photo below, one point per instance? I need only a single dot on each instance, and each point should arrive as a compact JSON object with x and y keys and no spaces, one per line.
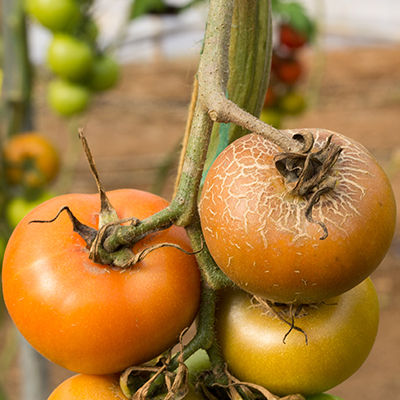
{"x":284,"y":97}
{"x":300,"y":234}
{"x":73,"y":55}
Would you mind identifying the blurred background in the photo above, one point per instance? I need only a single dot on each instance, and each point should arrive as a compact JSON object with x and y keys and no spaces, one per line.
{"x":347,"y":80}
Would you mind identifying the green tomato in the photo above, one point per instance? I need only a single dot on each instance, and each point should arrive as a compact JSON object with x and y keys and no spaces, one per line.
{"x":67,"y":98}
{"x":56,"y":15}
{"x":324,"y":396}
{"x":197,"y":363}
{"x":3,"y":244}
{"x":271,"y":117}
{"x":292,"y":103}
{"x":18,"y":207}
{"x":340,"y":333}
{"x":90,"y":31}
{"x":69,"y":57}
{"x":105,"y":73}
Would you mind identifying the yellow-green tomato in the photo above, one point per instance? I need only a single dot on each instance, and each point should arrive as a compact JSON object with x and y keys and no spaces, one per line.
{"x":70,"y":57}
{"x":340,"y":334}
{"x":56,"y":15}
{"x":197,"y":363}
{"x":292,"y":103}
{"x":67,"y":98}
{"x":272,"y":117}
{"x":18,"y":207}
{"x":105,"y":73}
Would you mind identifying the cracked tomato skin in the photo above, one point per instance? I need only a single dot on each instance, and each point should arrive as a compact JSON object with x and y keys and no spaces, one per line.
{"x":91,"y":318}
{"x":259,"y":236}
{"x":340,"y":334}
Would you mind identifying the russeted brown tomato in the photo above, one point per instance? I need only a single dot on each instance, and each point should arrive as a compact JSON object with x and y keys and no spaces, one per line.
{"x":91,"y":318}
{"x":259,"y":235}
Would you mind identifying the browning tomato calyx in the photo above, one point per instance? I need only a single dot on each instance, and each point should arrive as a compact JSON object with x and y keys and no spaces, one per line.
{"x":288,"y":313}
{"x":306,"y":172}
{"x":123,"y":257}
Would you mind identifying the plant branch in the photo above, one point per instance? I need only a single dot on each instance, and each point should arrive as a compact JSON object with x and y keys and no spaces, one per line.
{"x":16,"y":93}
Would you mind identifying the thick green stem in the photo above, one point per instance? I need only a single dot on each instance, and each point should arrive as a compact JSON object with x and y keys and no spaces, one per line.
{"x":211,"y":104}
{"x":183,"y":207}
{"x":204,"y":337}
{"x":215,"y":278}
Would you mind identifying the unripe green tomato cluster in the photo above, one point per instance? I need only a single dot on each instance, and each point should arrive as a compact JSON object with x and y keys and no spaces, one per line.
{"x":284,"y":97}
{"x":79,"y":67}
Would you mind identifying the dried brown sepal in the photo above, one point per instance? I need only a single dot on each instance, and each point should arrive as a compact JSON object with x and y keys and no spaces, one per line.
{"x":238,"y":390}
{"x":107,"y":211}
{"x":176,"y":383}
{"x":200,"y":386}
{"x":178,"y":387}
{"x":141,"y":394}
{"x":268,"y":305}
{"x":306,"y":172}
{"x":87,"y":233}
{"x":128,"y":376}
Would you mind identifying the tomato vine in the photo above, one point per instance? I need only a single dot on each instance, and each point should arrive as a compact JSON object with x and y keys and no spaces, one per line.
{"x":219,"y":114}
{"x":210,"y":106}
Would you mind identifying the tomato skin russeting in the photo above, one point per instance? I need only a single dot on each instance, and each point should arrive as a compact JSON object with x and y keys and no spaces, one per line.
{"x":340,"y":334}
{"x":91,"y":318}
{"x":258,"y":233}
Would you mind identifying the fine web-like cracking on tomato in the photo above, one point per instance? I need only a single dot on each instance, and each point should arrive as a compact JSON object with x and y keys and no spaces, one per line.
{"x":294,"y":243}
{"x":266,"y":199}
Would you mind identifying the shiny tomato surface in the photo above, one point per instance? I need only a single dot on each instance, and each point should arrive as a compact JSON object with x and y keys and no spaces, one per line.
{"x":89,"y":387}
{"x":257,"y":347}
{"x":92,"y":318}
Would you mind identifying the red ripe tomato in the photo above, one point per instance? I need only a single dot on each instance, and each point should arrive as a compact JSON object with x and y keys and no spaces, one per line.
{"x":289,"y":70}
{"x":30,"y":160}
{"x":270,"y":97}
{"x":92,"y":318}
{"x":340,"y":334}
{"x":258,"y":233}
{"x":291,"y":37}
